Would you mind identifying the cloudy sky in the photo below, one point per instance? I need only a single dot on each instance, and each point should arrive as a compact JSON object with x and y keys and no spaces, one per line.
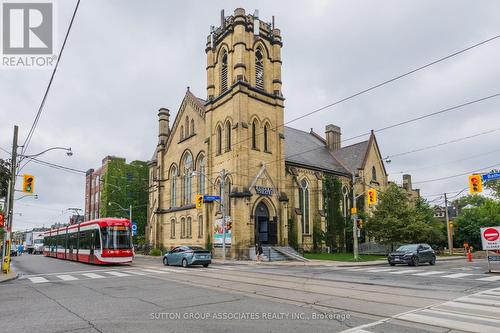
{"x":126,"y":59}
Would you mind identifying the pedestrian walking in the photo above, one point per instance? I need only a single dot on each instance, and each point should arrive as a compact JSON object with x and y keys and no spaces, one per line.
{"x":20,"y":249}
{"x":259,"y":251}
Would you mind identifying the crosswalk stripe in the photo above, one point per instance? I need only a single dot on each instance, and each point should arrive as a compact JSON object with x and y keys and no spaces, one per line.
{"x":429,"y":273}
{"x":136,"y":272}
{"x":377,"y":270}
{"x":173,"y":270}
{"x":479,"y":300}
{"x":455,"y":322}
{"x":490,"y":278}
{"x":116,"y":273}
{"x":360,"y":269}
{"x":456,"y":275}
{"x":38,"y":279}
{"x":93,"y":275}
{"x":468,"y":307}
{"x":405,"y":271}
{"x":154,"y":270}
{"x":66,"y":277}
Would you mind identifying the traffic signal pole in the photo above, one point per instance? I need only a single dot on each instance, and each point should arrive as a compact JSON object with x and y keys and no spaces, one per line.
{"x":355,"y":248}
{"x":10,"y":204}
{"x":450,"y":241}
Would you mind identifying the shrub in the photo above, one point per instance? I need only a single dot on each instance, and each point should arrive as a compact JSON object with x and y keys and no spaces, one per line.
{"x":155,"y":252}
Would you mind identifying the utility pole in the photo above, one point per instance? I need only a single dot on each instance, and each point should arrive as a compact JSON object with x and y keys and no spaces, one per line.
{"x":355,"y":249}
{"x":130,"y":213}
{"x":223,"y":211}
{"x":450,"y":241}
{"x":10,"y":204}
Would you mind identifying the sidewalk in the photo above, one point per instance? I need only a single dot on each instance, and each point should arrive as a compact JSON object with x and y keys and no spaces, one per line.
{"x":8,"y":277}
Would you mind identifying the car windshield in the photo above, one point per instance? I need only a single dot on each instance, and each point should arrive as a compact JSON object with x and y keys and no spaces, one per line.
{"x":197,"y":248}
{"x":116,"y":237}
{"x":406,"y":248}
{"x":38,"y":241}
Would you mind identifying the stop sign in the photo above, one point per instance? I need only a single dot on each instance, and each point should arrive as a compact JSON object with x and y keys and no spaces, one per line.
{"x":491,"y":234}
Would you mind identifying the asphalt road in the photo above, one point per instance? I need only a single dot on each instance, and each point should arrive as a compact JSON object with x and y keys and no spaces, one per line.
{"x":54,"y":295}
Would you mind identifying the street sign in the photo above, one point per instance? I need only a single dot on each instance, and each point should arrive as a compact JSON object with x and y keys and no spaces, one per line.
{"x":493,"y":258}
{"x":210,"y":198}
{"x":490,"y":238}
{"x":134,"y":228}
{"x":491,"y":176}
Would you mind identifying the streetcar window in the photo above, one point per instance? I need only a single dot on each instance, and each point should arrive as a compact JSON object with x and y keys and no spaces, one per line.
{"x":117,"y":237}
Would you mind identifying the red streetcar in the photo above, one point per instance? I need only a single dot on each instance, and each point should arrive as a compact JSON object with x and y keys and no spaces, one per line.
{"x":102,"y":241}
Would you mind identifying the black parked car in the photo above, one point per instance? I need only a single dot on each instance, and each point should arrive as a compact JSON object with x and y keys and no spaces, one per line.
{"x":412,"y":254}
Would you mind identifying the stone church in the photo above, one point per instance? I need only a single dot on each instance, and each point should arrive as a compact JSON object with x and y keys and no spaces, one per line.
{"x":232,"y":143}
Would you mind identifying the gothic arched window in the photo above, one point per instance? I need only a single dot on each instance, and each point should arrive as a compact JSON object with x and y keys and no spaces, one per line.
{"x":173,"y":186}
{"x":266,"y":138}
{"x":228,"y":135}
{"x":304,"y":206}
{"x":259,"y":69}
{"x":374,"y":173}
{"x":182,"y":132}
{"x":223,"y":72}
{"x":254,"y":134}
{"x":201,"y":174}
{"x":188,"y":227}
{"x":219,"y":140}
{"x":192,"y":126}
{"x":187,"y":165}
{"x":200,"y":226}
{"x":183,"y":227}
{"x":172,"y":228}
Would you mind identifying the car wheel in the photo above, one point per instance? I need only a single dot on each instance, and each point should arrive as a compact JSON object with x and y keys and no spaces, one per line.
{"x":433,"y":261}
{"x":414,"y":261}
{"x":205,"y":265}
{"x":165,"y":261}
{"x":184,"y":263}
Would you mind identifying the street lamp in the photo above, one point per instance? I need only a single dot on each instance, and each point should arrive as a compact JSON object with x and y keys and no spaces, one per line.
{"x":69,"y":152}
{"x":27,"y":195}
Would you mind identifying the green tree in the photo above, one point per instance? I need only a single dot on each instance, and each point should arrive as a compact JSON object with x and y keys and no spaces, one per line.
{"x":467,"y":225}
{"x":335,"y":222}
{"x":397,"y":220}
{"x":4,"y":177}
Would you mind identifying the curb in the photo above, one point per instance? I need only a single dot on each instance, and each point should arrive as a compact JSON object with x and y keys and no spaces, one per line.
{"x":10,"y":278}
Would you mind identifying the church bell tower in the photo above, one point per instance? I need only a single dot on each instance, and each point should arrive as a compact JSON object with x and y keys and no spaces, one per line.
{"x":244,"y":117}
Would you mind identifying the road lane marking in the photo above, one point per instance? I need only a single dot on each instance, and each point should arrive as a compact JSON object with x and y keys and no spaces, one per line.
{"x":116,"y":273}
{"x":490,"y":278}
{"x":38,"y":279}
{"x":456,"y":275}
{"x":377,"y":270}
{"x":429,"y":273}
{"x":67,"y":277}
{"x":153,"y":270}
{"x":405,"y":271}
{"x":93,"y":275}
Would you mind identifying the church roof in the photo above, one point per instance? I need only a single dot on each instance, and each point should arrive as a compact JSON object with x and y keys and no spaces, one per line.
{"x":352,"y":156}
{"x":307,"y":149}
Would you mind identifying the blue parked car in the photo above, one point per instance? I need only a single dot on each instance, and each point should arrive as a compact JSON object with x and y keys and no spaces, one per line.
{"x":187,"y":256}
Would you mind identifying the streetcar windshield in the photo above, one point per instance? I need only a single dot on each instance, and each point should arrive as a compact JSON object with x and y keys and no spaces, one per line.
{"x":116,"y":237}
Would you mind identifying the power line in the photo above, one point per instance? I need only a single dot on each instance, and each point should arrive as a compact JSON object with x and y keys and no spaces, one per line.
{"x":458,"y":175}
{"x":42,"y":104}
{"x":425,"y":116}
{"x":443,"y":143}
{"x":57,"y":166}
{"x":378,"y":86}
{"x":450,"y":162}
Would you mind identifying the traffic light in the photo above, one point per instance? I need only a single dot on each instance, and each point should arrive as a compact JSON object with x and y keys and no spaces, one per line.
{"x":2,"y":220}
{"x":372,"y":196}
{"x":28,"y":184}
{"x":475,"y":184}
{"x":199,"y":201}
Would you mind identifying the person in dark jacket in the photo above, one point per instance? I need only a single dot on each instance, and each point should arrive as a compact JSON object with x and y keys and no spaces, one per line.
{"x":259,"y":251}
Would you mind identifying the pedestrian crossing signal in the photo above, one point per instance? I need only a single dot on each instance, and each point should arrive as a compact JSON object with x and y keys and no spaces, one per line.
{"x":28,"y":183}
{"x":475,"y":184}
{"x":372,"y":196}
{"x":199,"y":201}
